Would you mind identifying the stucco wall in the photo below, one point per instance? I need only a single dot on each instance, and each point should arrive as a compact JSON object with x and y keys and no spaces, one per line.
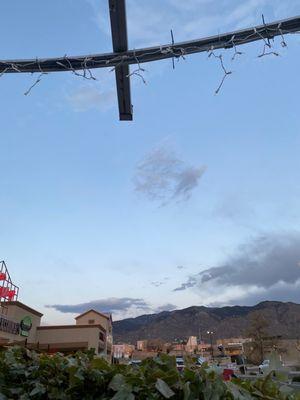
{"x":71,"y":334}
{"x":105,"y":322}
{"x":99,"y":319}
{"x":16,"y":313}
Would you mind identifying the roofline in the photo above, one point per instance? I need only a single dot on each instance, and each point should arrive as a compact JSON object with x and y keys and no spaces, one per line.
{"x":97,"y":312}
{"x":52,"y":346}
{"x":24,"y":306}
{"x":51,"y":327}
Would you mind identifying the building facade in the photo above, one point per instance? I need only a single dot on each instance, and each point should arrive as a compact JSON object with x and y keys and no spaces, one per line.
{"x":123,"y":351}
{"x":70,"y":338}
{"x":233,"y":346}
{"x":93,"y":317}
{"x":22,"y":325}
{"x":19,"y":323}
{"x":191,"y":344}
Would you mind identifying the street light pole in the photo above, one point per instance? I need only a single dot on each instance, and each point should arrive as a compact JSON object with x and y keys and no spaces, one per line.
{"x":210,"y":333}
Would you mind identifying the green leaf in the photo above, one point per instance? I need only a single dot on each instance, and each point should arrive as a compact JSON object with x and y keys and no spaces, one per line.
{"x":186,"y":391}
{"x":100,"y":363}
{"x":79,"y":374}
{"x":238,"y":393}
{"x":23,"y":397}
{"x":26,"y":375}
{"x":124,"y":394}
{"x":164,"y":388}
{"x":286,"y":390}
{"x":117,"y":382}
{"x":38,"y":389}
{"x":16,"y":390}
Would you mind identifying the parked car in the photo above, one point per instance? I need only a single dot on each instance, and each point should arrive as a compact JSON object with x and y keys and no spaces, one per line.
{"x":264,"y":366}
{"x":200,"y":361}
{"x":273,"y":363}
{"x":180,"y":363}
{"x":227,"y":374}
{"x":134,"y":362}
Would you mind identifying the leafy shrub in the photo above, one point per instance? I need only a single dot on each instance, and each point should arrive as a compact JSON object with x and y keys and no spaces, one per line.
{"x":28,"y":375}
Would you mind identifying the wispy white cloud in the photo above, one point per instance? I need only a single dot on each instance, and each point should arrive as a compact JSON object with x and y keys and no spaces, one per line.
{"x":88,"y":97}
{"x":165,"y":307}
{"x":150,"y":21}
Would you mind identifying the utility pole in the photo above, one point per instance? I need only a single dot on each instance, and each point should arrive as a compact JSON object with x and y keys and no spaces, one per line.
{"x":210,"y":333}
{"x":200,"y":333}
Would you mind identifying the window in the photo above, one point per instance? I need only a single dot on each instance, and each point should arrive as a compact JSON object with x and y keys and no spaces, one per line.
{"x":91,"y":321}
{"x":100,"y":350}
{"x":101,"y":336}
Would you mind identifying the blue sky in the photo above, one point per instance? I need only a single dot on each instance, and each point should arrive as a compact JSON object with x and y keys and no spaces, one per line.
{"x":75,"y":231}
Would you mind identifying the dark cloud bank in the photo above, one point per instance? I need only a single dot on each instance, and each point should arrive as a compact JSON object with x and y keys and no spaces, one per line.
{"x":266,"y":268}
{"x":270,"y":264}
{"x":111,"y":305}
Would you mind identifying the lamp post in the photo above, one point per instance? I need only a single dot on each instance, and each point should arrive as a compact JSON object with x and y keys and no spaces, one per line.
{"x":210,"y":333}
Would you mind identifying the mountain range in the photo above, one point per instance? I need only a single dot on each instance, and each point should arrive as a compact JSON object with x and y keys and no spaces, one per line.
{"x":225,"y":322}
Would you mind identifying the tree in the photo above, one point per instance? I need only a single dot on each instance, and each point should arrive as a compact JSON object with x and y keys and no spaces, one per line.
{"x":258,"y":332}
{"x":155,"y":345}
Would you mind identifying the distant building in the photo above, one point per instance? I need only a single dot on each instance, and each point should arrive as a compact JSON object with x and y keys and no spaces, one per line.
{"x":141,"y":345}
{"x":178,"y":348}
{"x":123,"y":351}
{"x":191,"y":344}
{"x":150,"y":345}
{"x":233,"y":346}
{"x":204,"y":349}
{"x":155,"y":345}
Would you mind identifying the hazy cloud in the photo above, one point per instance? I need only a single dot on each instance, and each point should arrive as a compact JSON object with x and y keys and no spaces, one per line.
{"x":164,"y":177}
{"x":166,"y":307}
{"x":91,"y":97}
{"x":191,"y":282}
{"x":121,"y":306}
{"x":264,"y":262}
{"x":266,"y":268}
{"x":235,"y":208}
{"x":157,"y":283}
{"x":189,"y":19}
{"x":280,"y":291}
{"x":161,"y":282}
{"x":109,"y":305}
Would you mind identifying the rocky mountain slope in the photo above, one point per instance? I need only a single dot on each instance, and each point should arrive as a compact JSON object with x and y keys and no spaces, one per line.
{"x":226,"y":322}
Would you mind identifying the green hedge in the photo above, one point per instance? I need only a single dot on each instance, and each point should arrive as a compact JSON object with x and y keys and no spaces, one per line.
{"x":28,"y":375}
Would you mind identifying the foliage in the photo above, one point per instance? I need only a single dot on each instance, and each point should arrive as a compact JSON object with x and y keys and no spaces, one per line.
{"x":26,"y":375}
{"x":258,"y":332}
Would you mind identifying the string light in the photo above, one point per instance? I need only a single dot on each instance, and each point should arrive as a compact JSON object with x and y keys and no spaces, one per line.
{"x":82,"y":66}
